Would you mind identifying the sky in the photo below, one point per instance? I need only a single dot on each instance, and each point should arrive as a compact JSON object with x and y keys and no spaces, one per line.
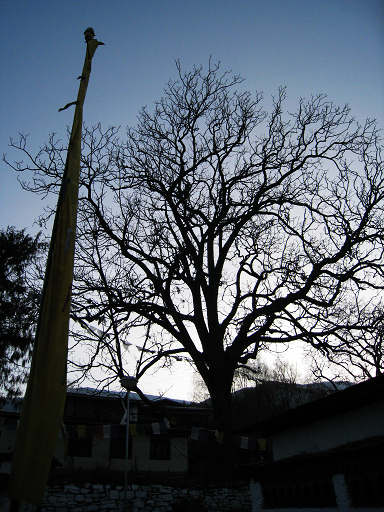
{"x":334,"y":47}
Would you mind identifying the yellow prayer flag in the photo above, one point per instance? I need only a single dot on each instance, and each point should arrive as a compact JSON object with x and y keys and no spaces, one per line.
{"x":44,"y":400}
{"x":133,"y":429}
{"x":262,"y":444}
{"x":81,"y":431}
{"x":219,"y":437}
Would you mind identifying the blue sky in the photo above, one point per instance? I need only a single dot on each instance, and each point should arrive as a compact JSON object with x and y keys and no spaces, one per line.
{"x":334,"y":47}
{"x":311,"y":46}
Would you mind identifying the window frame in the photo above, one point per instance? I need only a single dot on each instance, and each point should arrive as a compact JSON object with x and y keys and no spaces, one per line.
{"x":160,"y":447}
{"x":117,"y":444}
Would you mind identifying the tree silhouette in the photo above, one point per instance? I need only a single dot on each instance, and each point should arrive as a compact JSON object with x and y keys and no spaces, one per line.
{"x":355,"y":354}
{"x":19,"y":306}
{"x":216,"y":229}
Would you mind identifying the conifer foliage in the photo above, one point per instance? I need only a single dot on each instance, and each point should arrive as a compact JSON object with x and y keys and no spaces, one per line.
{"x":19,"y":305}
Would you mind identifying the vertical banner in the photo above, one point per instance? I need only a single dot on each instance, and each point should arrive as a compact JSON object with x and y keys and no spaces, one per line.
{"x":44,"y":400}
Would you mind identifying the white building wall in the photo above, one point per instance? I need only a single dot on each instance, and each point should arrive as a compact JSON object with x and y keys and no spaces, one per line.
{"x":100,"y":455}
{"x":140,"y":456}
{"x":331,"y":432}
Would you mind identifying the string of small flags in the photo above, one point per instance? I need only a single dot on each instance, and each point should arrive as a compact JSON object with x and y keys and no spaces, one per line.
{"x":244,"y":442}
{"x":111,"y":431}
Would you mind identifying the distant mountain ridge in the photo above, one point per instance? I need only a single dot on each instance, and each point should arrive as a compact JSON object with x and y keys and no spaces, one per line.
{"x":270,"y":398}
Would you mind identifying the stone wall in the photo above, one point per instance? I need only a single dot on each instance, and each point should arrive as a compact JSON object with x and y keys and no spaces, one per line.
{"x":154,"y":498}
{"x":158,"y":498}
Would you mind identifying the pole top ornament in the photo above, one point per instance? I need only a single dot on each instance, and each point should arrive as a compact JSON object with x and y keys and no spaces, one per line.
{"x":89,"y":34}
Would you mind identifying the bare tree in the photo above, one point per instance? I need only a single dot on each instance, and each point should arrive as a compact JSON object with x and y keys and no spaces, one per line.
{"x":270,"y":389}
{"x":262,"y":390}
{"x":216,"y":229}
{"x":356,"y":354}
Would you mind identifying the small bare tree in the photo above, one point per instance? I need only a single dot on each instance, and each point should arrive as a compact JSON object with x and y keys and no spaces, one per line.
{"x":356,"y":354}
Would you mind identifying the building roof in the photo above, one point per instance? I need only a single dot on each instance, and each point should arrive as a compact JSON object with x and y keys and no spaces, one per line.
{"x":354,"y":397}
{"x":106,"y":393}
{"x":14,"y":406}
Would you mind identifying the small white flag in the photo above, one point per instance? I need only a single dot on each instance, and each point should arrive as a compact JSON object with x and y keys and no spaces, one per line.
{"x":244,"y":442}
{"x":195,"y":433}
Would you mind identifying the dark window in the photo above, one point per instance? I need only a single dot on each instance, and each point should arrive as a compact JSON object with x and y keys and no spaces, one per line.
{"x":117,"y":445}
{"x":80,"y":446}
{"x":108,"y":411}
{"x":69,"y":411}
{"x":94,"y":409}
{"x":160,"y":448}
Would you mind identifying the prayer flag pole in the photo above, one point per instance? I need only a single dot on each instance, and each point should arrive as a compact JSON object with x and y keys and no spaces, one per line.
{"x":43,"y":404}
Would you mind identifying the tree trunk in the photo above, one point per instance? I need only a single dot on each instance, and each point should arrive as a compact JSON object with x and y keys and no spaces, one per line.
{"x":220,"y":387}
{"x":221,"y":405}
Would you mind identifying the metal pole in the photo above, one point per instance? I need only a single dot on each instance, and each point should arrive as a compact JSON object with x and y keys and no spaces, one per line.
{"x":126,"y":456}
{"x":129,"y":384}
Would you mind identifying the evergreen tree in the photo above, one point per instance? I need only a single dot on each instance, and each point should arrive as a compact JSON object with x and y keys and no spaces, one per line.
{"x":19,"y":305}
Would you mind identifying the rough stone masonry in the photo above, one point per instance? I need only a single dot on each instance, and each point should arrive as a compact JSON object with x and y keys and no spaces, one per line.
{"x":141,"y":498}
